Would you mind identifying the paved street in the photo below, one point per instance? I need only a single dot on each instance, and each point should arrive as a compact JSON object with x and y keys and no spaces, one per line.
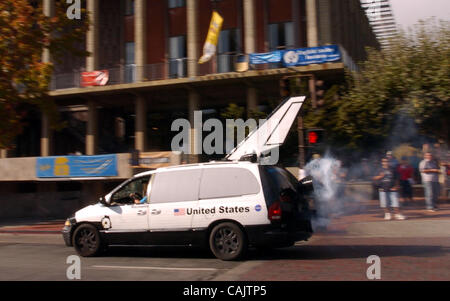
{"x":415,"y":249}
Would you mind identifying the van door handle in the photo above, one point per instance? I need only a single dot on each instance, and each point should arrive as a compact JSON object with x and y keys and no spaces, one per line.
{"x":142,"y":212}
{"x":156,"y":211}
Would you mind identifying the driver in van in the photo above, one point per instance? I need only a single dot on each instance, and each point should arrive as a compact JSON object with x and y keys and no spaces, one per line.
{"x":137,"y":197}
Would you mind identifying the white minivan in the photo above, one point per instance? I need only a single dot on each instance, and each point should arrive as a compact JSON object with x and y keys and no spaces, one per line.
{"x":227,"y":206}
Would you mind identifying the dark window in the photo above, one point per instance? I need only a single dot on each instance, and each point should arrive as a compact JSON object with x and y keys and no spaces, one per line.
{"x":129,"y":7}
{"x":281,"y":35}
{"x":129,"y":63}
{"x":227,"y":47}
{"x":177,"y":56}
{"x":177,"y":3}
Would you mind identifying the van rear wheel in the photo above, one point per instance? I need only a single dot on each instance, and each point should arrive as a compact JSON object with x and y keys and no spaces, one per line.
{"x":227,"y":241}
{"x":86,"y":240}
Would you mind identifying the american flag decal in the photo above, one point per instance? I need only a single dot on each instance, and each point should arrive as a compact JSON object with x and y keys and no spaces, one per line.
{"x":178,"y":212}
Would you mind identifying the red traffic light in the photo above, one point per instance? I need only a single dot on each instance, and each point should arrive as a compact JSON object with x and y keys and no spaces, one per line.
{"x":313,"y":137}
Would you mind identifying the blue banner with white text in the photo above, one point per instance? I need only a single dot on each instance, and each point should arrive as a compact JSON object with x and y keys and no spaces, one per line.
{"x":313,"y":55}
{"x":76,"y":166}
{"x":264,"y":58}
{"x":298,"y":57}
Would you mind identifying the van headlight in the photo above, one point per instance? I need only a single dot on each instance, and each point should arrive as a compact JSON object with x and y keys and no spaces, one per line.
{"x":70,"y":221}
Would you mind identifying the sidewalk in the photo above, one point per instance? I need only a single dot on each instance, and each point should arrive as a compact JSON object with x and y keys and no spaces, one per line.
{"x":32,"y":226}
{"x":369,"y":212}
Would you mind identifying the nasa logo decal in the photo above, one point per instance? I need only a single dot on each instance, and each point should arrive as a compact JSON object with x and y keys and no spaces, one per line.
{"x":258,"y":208}
{"x":106,"y":223}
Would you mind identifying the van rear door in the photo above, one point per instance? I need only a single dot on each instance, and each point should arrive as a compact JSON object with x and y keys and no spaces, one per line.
{"x":281,"y":193}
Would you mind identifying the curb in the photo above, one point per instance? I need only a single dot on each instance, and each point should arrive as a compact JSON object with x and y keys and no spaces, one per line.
{"x":30,"y":231}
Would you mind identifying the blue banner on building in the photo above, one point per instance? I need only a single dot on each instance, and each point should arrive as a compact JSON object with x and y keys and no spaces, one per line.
{"x":313,"y":55}
{"x":264,"y":58}
{"x":76,"y":166}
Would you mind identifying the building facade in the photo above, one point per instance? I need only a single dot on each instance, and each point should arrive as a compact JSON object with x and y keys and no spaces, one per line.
{"x":381,"y":18}
{"x":149,"y":50}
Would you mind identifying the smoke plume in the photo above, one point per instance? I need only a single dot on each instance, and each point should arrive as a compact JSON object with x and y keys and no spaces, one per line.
{"x":328,"y":189}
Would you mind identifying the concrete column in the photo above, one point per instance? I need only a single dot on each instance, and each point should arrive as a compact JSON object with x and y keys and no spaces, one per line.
{"x":252,"y":100}
{"x":91,"y":133}
{"x":140,"y":9}
{"x":312,"y":30}
{"x":192,"y":37}
{"x":140,"y":123}
{"x":45,"y":136}
{"x":92,"y":35}
{"x":48,"y":7}
{"x":249,"y":26}
{"x":324,"y":22}
{"x":296,"y":19}
{"x":196,"y":126}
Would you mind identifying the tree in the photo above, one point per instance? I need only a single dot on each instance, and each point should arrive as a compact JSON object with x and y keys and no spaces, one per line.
{"x":24,"y":79}
{"x":411,"y":76}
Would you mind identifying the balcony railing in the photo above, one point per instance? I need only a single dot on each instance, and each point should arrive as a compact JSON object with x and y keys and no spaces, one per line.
{"x":173,"y":68}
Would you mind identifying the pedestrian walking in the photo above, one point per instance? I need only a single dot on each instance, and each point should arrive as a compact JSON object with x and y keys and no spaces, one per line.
{"x":392,"y":161}
{"x":430,"y":171}
{"x":388,"y":186}
{"x":405,"y":172}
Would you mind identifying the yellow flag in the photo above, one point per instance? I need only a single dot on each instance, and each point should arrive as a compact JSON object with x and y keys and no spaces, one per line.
{"x":209,"y":49}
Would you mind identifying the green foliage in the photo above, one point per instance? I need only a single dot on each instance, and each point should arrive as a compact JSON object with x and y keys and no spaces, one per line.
{"x":233,"y":111}
{"x":24,"y":34}
{"x":411,"y":75}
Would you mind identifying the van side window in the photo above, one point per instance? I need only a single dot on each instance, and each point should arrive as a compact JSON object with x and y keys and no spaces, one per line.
{"x":176,"y":186}
{"x":138,"y":186}
{"x":227,"y":182}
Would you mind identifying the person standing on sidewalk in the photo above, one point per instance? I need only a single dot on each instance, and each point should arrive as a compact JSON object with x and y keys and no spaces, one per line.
{"x":387,"y":180}
{"x":392,"y":162}
{"x":430,"y":170}
{"x":405,"y":172}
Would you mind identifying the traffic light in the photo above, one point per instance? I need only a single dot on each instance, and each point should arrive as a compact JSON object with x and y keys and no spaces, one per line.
{"x":320,"y":92}
{"x":315,"y":137}
{"x":285,"y":87}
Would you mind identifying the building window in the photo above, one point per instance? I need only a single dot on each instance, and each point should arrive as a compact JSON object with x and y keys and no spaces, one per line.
{"x":177,"y":56}
{"x":177,"y":3}
{"x":129,"y":63}
{"x":129,"y":7}
{"x":227,"y":48}
{"x":281,"y":36}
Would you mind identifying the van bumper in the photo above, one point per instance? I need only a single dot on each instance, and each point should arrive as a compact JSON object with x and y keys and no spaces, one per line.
{"x":67,"y":231}
{"x":276,"y":236}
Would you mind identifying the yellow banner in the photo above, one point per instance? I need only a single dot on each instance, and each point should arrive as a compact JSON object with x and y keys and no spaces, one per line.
{"x":209,"y":49}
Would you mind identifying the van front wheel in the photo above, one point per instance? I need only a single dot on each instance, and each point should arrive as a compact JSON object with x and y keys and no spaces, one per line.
{"x":86,"y":240}
{"x":227,"y":241}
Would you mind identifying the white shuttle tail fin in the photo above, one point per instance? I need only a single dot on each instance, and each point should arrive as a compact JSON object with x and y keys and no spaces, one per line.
{"x":272,"y":133}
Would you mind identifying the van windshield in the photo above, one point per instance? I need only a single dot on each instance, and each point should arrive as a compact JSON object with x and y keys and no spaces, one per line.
{"x":274,"y":180}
